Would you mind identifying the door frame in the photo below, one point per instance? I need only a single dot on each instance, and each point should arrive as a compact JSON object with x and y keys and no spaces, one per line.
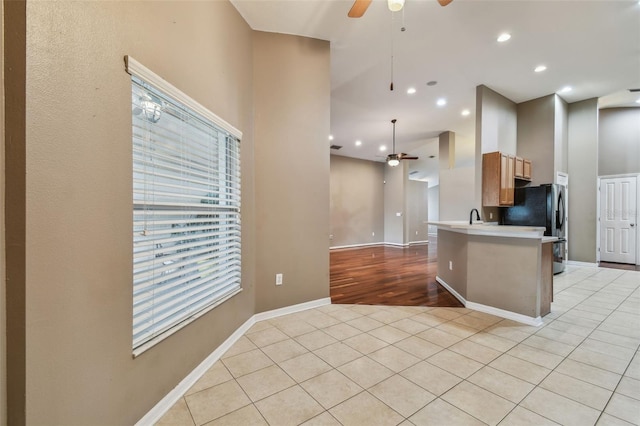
{"x":599,"y":236}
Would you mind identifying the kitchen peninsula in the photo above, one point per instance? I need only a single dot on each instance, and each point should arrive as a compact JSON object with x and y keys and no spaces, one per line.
{"x":501,"y":270}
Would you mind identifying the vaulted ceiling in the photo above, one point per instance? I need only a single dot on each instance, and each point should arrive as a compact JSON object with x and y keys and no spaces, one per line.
{"x":591,"y":46}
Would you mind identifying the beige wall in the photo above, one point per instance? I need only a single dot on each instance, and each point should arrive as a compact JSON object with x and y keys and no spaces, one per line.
{"x":456,"y":193}
{"x":505,"y":273}
{"x":619,"y":141}
{"x":496,"y":130}
{"x":69,"y":338}
{"x":498,"y":121}
{"x":78,"y":309}
{"x":457,"y":196}
{"x":452,"y":247}
{"x":357,"y":201}
{"x":394,"y":203}
{"x":494,"y":271}
{"x":583,"y":177}
{"x":292,"y":89}
{"x":561,"y":137}
{"x":417,"y":210}
{"x":536,"y":137}
{"x":542,"y":137}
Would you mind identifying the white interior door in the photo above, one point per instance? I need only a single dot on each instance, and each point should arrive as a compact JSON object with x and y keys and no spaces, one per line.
{"x":618,"y":217}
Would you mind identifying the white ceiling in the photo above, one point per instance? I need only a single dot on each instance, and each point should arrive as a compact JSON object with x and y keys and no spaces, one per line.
{"x":592,"y":46}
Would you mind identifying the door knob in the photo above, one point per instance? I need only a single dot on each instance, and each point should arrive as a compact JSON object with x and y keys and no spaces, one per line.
{"x":633,"y":224}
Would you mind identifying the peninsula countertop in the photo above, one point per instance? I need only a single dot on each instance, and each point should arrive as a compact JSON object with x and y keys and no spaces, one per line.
{"x":493,"y":229}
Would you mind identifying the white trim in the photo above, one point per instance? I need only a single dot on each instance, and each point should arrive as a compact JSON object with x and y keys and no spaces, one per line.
{"x":452,"y":291}
{"x":292,"y":309}
{"x":578,"y":263}
{"x":356,"y":245}
{"x":382,"y":243}
{"x":159,"y":410}
{"x":135,"y":68}
{"x":490,"y":309}
{"x":536,"y":322}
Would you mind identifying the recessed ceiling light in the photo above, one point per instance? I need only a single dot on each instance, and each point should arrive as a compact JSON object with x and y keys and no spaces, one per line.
{"x":441,"y":102}
{"x":330,"y":137}
{"x":383,"y":148}
{"x":638,"y":100}
{"x":465,"y":112}
{"x":411,"y":90}
{"x":566,"y":89}
{"x":540,"y":68}
{"x":504,"y":37}
{"x":358,"y":143}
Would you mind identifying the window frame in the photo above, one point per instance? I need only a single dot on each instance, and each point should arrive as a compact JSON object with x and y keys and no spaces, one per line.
{"x":136,"y":69}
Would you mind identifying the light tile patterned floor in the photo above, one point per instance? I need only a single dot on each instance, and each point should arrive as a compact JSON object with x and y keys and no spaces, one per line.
{"x":377,"y":365}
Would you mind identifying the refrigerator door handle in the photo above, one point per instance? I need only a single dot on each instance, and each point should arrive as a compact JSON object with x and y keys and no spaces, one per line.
{"x":560,"y":211}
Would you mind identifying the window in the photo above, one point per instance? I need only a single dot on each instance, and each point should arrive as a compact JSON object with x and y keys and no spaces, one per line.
{"x":186,"y":208}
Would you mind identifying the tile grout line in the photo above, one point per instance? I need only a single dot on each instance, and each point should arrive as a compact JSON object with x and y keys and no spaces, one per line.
{"x":462,"y":339}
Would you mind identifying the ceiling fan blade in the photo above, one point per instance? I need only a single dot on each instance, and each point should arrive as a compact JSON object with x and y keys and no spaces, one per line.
{"x":359,"y":8}
{"x":404,"y":156}
{"x":444,"y":2}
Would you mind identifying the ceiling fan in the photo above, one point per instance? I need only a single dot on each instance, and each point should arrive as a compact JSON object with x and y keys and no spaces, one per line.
{"x":360,"y":6}
{"x":393,"y":159}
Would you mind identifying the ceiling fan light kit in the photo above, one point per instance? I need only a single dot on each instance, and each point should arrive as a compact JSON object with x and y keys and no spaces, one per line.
{"x":395,"y":5}
{"x":360,"y":7}
{"x":393,"y":159}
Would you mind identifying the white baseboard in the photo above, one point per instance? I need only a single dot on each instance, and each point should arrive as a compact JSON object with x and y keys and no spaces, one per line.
{"x":159,"y":410}
{"x":452,"y":291}
{"x":382,"y":243}
{"x":490,"y":309}
{"x":577,"y":263}
{"x":536,"y":322}
{"x":292,"y":309}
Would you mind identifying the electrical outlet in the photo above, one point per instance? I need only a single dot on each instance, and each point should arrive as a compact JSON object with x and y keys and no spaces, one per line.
{"x":278,"y":279}
{"x":451,"y":265}
{"x":373,"y":234}
{"x":416,"y":232}
{"x":490,"y":215}
{"x":331,"y":236}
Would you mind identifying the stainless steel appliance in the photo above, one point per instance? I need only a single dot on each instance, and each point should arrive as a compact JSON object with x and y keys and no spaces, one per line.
{"x":543,"y":205}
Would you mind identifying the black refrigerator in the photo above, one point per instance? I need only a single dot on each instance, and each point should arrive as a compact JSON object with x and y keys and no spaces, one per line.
{"x":544,"y":206}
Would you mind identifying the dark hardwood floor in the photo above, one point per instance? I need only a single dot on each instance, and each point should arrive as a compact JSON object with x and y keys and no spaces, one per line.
{"x":384,"y":275}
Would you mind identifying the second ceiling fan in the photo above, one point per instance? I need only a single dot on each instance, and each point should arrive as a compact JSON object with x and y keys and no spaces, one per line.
{"x":360,"y":6}
{"x":393,"y":159}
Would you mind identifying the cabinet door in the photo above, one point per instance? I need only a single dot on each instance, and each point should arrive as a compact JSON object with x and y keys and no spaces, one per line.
{"x":519,"y":167}
{"x":511,"y":180}
{"x":526,"y":169}
{"x":507,"y":174}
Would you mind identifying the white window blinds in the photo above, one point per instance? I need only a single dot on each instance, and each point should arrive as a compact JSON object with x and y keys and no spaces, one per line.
{"x":186,"y":214}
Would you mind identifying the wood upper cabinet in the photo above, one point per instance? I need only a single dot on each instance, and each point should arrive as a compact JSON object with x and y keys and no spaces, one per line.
{"x":498,"y":179}
{"x":523,"y":168}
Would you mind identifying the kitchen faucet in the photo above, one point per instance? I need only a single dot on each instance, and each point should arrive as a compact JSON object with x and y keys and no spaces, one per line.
{"x":471,"y":216}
